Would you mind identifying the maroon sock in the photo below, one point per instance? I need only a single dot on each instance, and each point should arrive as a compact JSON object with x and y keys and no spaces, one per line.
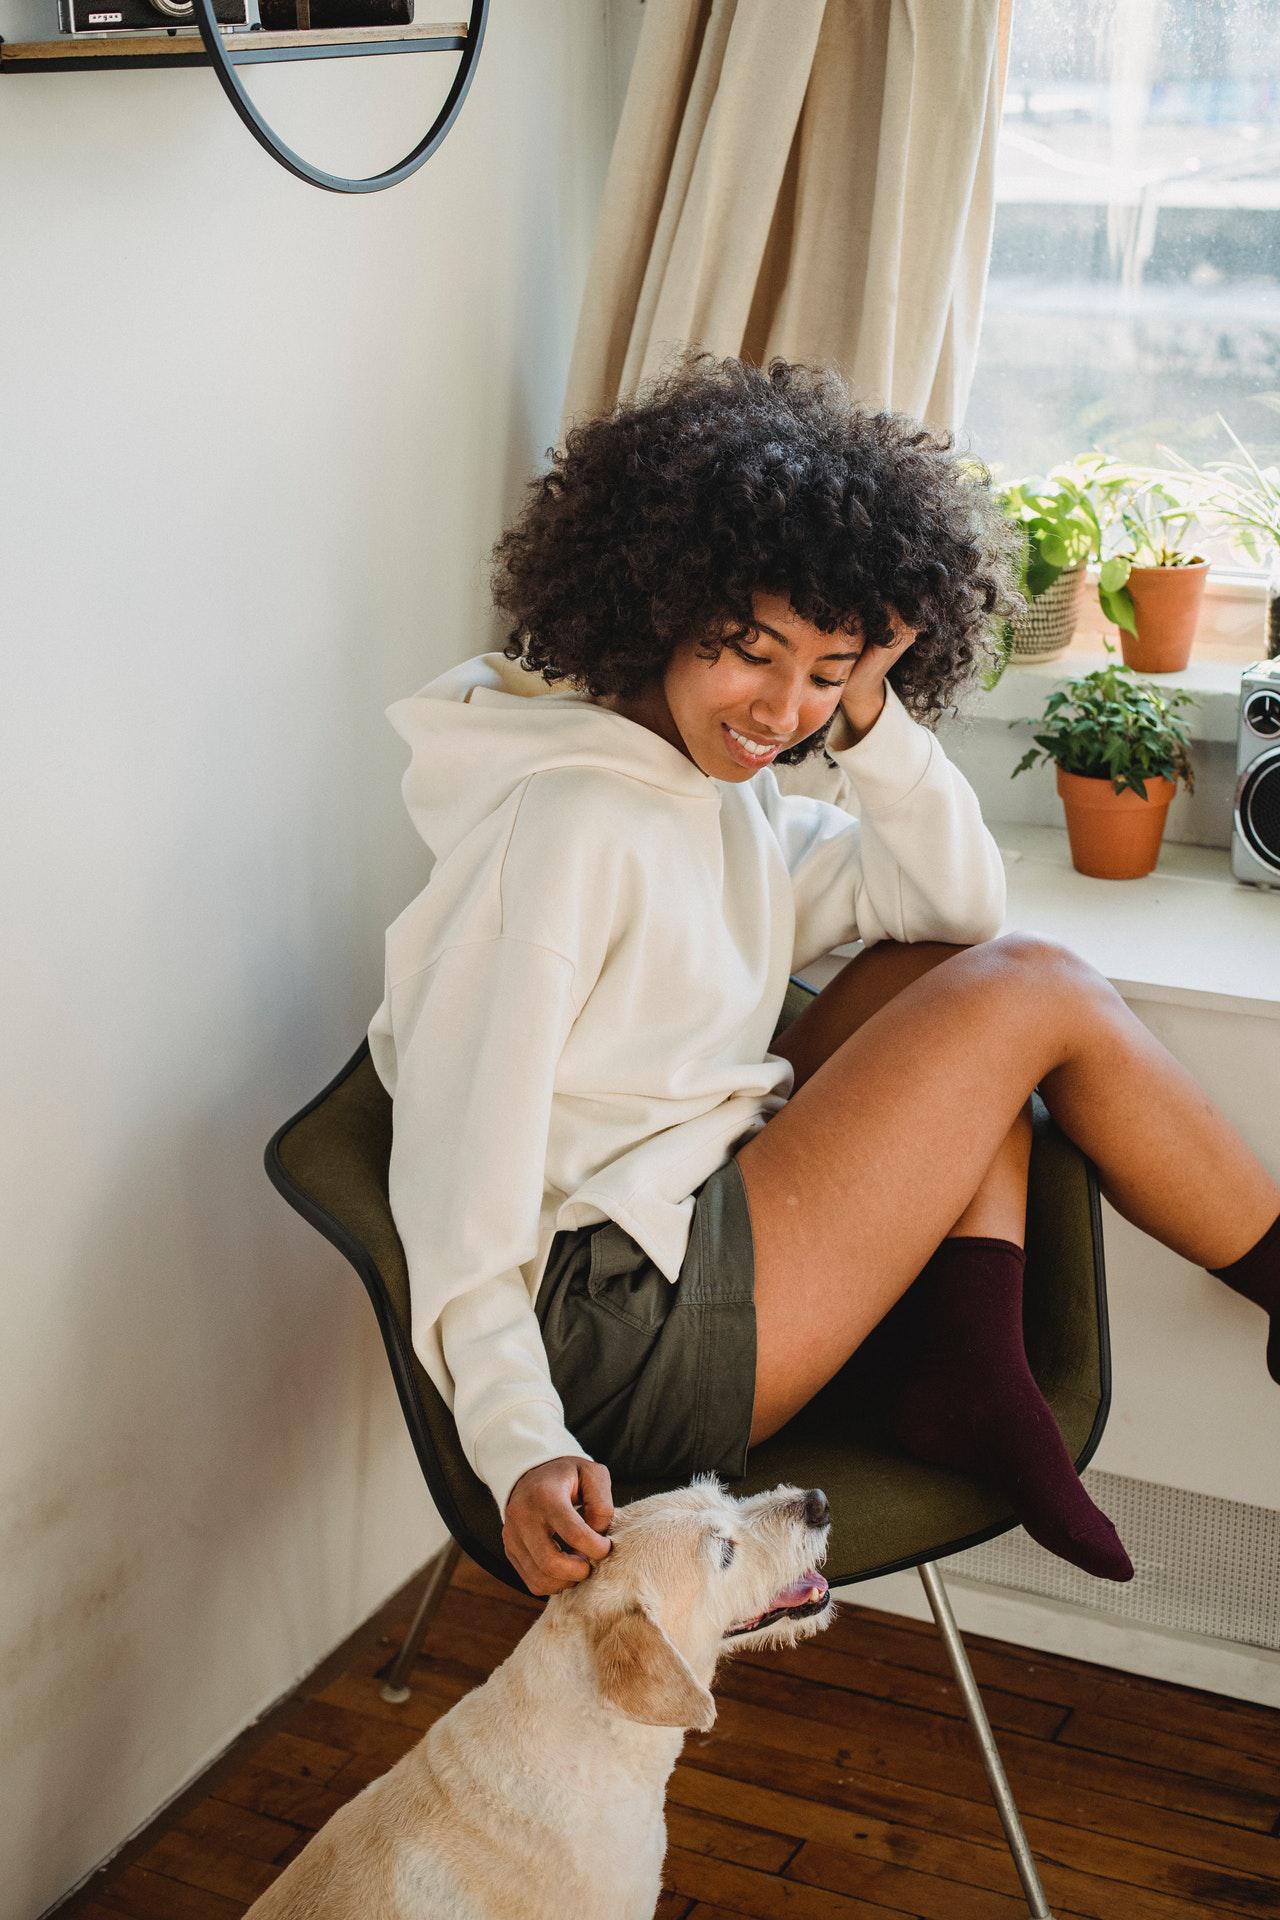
{"x":958,"y":1392}
{"x":1256,"y":1275}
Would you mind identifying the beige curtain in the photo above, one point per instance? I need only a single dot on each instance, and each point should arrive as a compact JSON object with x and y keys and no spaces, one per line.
{"x":811,"y":178}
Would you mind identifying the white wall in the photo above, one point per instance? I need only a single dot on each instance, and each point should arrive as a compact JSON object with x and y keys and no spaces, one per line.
{"x":257,"y":441}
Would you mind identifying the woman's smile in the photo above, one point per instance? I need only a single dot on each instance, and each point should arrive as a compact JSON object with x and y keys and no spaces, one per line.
{"x":747,"y":750}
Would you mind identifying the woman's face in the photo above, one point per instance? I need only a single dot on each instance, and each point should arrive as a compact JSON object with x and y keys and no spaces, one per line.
{"x":770,"y":688}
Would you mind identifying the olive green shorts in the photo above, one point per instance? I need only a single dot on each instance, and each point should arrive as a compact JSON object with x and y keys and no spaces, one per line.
{"x":658,"y":1377}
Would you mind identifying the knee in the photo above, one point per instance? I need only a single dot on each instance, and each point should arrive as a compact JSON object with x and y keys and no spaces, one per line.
{"x":1046,"y":966}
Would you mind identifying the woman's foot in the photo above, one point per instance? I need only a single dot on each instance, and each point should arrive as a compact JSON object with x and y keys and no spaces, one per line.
{"x":956,"y":1391}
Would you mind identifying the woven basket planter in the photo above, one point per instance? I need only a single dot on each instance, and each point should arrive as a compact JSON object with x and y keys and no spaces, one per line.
{"x":1046,"y":628}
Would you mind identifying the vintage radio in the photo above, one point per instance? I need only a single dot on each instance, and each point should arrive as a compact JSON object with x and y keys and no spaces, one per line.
{"x":1255,"y":827}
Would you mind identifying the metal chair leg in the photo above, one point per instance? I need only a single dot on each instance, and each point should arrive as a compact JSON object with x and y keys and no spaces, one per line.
{"x":439,"y":1575}
{"x":1017,"y":1839}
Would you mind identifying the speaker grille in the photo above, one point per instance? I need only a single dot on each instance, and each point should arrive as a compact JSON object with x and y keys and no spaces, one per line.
{"x":1201,"y":1565}
{"x":1259,"y":808}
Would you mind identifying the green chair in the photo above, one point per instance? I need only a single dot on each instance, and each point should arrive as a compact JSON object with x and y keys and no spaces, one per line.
{"x":330,"y":1161}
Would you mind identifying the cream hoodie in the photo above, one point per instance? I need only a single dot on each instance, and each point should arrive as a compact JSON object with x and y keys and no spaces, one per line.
{"x":579,"y":1003}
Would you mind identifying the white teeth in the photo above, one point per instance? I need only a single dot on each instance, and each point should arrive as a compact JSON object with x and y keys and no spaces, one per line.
{"x":749,"y":746}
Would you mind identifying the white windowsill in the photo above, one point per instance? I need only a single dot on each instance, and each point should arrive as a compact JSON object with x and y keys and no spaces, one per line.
{"x":1189,"y":933}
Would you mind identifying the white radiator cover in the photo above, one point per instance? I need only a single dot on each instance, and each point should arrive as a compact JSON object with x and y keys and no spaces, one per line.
{"x":1201,"y":1565}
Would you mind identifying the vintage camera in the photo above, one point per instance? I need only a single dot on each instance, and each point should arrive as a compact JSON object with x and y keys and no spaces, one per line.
{"x":127,"y":16}
{"x":119,"y":16}
{"x":1255,"y":825}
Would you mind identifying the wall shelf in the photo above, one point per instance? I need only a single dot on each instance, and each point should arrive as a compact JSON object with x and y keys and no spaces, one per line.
{"x":184,"y":47}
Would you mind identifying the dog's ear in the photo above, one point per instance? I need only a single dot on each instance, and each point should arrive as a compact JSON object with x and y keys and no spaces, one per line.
{"x":644,"y":1674}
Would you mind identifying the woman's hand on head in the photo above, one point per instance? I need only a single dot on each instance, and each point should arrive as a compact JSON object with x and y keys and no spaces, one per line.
{"x":863,"y":697}
{"x":542,"y":1508}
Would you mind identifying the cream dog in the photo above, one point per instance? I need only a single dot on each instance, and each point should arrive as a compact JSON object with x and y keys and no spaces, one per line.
{"x":542,"y":1792}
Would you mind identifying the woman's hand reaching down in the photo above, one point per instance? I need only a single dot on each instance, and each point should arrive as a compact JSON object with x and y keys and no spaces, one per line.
{"x":542,"y":1512}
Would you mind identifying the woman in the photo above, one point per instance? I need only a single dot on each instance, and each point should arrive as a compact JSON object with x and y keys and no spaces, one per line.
{"x":643,"y":1229}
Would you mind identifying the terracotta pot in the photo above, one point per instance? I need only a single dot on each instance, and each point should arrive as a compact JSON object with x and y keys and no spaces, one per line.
{"x":1114,"y":836}
{"x":1166,"y":606}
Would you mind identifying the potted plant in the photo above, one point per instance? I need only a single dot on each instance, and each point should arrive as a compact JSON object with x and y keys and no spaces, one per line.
{"x":1149,"y":584}
{"x":1244,"y":498}
{"x":1060,"y":531}
{"x":1120,"y":750}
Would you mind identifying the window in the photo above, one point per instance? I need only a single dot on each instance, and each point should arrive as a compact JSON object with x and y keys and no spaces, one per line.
{"x":1134,"y":289}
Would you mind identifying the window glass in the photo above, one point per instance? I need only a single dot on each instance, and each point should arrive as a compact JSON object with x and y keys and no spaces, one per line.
{"x":1134,"y":289}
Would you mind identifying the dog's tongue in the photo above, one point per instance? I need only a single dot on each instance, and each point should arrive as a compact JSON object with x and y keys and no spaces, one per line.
{"x":810,"y":1586}
{"x":807,"y":1591}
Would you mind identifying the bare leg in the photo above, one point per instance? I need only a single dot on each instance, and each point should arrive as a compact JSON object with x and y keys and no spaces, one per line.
{"x":865,"y":984}
{"x":998,"y":1209}
{"x":883,"y":1147}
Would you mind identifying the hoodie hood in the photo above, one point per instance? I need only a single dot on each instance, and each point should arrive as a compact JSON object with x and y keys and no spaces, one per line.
{"x":481,"y":728}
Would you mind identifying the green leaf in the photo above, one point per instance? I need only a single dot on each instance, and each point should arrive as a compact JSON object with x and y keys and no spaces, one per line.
{"x":1118,"y":608}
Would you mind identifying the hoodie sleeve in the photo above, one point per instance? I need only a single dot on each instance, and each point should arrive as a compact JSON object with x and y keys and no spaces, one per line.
{"x":918,"y":862}
{"x":470,"y":1117}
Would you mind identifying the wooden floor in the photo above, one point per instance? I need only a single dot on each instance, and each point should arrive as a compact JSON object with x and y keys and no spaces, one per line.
{"x":840,"y":1781}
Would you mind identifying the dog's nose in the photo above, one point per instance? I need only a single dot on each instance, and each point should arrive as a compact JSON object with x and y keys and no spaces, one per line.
{"x":816,"y":1511}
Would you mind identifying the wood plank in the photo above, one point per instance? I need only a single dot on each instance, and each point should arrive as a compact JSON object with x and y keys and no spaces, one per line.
{"x":1053,"y":1678}
{"x":210,"y":1868}
{"x":470,"y":1577}
{"x":1175,"y":1753}
{"x":704,"y":1912}
{"x":908,"y":1744}
{"x":854,"y":1673}
{"x":1078,"y":1866}
{"x":153,"y":1896}
{"x":296,"y":1758}
{"x":356,"y":1733}
{"x":765,"y":1896}
{"x":846,"y":1870}
{"x":926,"y":1895}
{"x":301,"y":1803}
{"x":500,"y":1612}
{"x":727,"y":1839}
{"x":836,"y":1781}
{"x":219,"y":1823}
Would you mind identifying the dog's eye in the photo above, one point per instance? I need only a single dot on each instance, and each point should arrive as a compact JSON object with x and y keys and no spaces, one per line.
{"x":727,"y":1550}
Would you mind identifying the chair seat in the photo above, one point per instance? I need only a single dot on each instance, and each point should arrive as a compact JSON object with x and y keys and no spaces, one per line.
{"x":330,"y":1162}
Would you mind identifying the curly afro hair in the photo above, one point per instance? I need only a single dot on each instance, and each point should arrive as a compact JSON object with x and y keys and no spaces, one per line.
{"x":659,"y":520}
